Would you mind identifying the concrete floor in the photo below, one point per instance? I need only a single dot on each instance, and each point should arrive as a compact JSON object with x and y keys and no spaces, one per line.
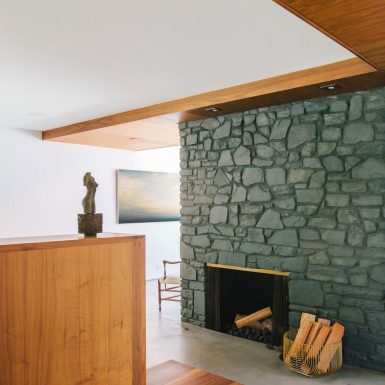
{"x":248,"y":362}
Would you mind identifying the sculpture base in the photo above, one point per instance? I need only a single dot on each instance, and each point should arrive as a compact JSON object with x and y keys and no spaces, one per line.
{"x":90,"y":224}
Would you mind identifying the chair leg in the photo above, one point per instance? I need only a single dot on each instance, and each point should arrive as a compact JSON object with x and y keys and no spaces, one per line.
{"x":159,"y":296}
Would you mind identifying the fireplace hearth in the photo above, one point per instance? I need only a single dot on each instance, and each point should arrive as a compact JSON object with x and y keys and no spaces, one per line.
{"x":233,"y":292}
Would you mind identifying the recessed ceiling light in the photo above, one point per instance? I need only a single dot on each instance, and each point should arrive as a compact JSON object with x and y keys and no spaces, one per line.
{"x":36,"y":113}
{"x":213,"y":109}
{"x":330,"y":87}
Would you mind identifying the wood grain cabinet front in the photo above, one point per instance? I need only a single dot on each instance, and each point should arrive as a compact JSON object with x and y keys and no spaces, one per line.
{"x":72,"y":311}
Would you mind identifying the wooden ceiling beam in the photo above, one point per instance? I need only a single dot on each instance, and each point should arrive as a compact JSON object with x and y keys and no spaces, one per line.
{"x":352,"y":74}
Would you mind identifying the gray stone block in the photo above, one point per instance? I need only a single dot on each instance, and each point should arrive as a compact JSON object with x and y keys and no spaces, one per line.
{"x":199,"y":302}
{"x":309,"y":196}
{"x":262,"y":119}
{"x":370,"y":227}
{"x":319,"y":258}
{"x":359,"y":280}
{"x":239,"y":194}
{"x":259,"y":139}
{"x":356,"y":236}
{"x":255,"y":248}
{"x":367,"y":200}
{"x":258,"y":194}
{"x":369,"y":169}
{"x":294,"y":221}
{"x":225,"y":159}
{"x":325,"y":148}
{"x":218,"y":214}
{"x":247,"y":139}
{"x":354,"y":186}
{"x":334,"y":118}
{"x":334,"y":237}
{"x":262,"y":162}
{"x":370,"y":213}
{"x":356,"y":132}
{"x":355,"y":109}
{"x":322,"y":222}
{"x":275,"y":176}
{"x":223,"y":131}
{"x":316,"y":105}
{"x":350,"y":162}
{"x":348,"y":216}
{"x":255,"y":235}
{"x":376,"y":323}
{"x":210,"y":124}
{"x":270,"y":263}
{"x":264,"y":151}
{"x":295,"y":264}
{"x":375,"y":102}
{"x":376,"y":240}
{"x":318,"y":179}
{"x":331,"y":134}
{"x":280,"y":128}
{"x":187,"y":272}
{"x":191,"y":139}
{"x":287,"y":237}
{"x":337,"y":200}
{"x":312,"y":163}
{"x":270,"y":220}
{"x":187,"y":252}
{"x":339,"y":106}
{"x":300,"y":134}
{"x":202,"y":241}
{"x":327,"y":274}
{"x":351,"y":315}
{"x":222,"y":244}
{"x":232,"y":258}
{"x":252,"y":175}
{"x":308,"y":293}
{"x":333,"y":163}
{"x":309,"y":234}
{"x":285,"y":203}
{"x":307,"y":209}
{"x":299,"y":175}
{"x":242,"y":156}
{"x":378,"y":274}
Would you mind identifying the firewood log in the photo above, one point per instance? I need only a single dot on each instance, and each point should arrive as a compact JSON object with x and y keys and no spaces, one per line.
{"x":331,"y":346}
{"x":257,"y":316}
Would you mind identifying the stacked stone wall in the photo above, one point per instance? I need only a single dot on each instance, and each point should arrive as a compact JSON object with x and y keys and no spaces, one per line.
{"x":297,"y":188}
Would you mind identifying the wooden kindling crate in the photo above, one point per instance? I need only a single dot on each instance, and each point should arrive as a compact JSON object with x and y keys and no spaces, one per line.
{"x":311,"y":360}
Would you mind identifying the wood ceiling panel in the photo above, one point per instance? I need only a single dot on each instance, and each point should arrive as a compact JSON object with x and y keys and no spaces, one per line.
{"x":156,"y":126}
{"x":135,"y":136}
{"x":358,"y":25}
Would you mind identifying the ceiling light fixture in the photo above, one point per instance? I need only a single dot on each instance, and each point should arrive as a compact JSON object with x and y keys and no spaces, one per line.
{"x":36,"y":114}
{"x":213,"y":109}
{"x":330,"y":87}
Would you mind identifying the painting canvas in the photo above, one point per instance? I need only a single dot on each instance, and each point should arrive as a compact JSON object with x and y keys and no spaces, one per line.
{"x":145,"y":196}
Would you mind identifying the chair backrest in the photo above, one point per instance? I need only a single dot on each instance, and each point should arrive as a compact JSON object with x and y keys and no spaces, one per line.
{"x":165,"y":262}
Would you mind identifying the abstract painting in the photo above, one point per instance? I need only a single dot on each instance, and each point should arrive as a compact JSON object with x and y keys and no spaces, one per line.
{"x":145,"y":196}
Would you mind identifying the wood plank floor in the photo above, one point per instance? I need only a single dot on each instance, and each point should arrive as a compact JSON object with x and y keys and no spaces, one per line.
{"x":175,"y":373}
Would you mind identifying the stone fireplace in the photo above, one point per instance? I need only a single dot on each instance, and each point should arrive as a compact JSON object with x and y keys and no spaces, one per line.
{"x":295,"y":188}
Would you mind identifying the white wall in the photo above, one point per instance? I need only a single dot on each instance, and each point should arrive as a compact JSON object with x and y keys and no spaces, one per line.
{"x":41,"y":189}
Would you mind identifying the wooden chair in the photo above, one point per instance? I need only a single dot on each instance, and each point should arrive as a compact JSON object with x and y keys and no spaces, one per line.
{"x":171,"y":284}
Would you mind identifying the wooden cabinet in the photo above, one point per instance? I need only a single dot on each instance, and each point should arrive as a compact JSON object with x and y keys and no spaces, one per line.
{"x":72,"y":311}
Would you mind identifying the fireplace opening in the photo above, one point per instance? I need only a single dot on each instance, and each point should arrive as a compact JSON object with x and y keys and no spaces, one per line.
{"x":234,"y":292}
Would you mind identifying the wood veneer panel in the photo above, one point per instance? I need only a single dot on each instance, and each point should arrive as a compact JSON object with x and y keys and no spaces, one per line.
{"x":175,"y":373}
{"x":357,"y":25}
{"x":73,"y":315}
{"x":352,"y":74}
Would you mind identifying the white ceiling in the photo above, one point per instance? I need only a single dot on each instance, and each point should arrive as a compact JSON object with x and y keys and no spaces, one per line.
{"x":64,"y":61}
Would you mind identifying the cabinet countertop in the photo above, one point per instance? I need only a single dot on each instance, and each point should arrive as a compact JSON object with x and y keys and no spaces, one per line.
{"x":57,"y":241}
